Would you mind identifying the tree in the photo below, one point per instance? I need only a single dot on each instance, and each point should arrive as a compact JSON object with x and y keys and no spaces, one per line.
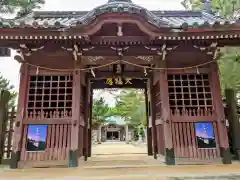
{"x":21,"y":7}
{"x":224,"y":8}
{"x":100,"y":111}
{"x":229,"y":66}
{"x":131,"y":105}
{"x":5,"y":85}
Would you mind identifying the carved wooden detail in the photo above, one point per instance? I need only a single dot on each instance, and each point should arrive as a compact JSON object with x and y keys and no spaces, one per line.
{"x":94,"y":59}
{"x":145,"y":58}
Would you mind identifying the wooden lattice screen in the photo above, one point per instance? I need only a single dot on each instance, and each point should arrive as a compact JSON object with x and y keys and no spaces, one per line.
{"x":190,"y":100}
{"x":187,"y":92}
{"x":50,"y":96}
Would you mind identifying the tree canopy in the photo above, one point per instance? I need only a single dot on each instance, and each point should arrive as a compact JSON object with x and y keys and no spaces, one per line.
{"x":224,"y":8}
{"x":229,"y":66}
{"x":100,"y":112}
{"x":5,"y":85}
{"x":130,"y":104}
{"x":21,"y":7}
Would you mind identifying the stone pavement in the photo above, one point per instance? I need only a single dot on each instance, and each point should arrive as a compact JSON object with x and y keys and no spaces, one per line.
{"x":105,"y":164}
{"x":118,"y":148}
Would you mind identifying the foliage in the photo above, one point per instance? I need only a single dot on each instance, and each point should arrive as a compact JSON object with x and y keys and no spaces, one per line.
{"x":5,"y":85}
{"x":131,"y":106}
{"x":100,"y":111}
{"x":229,"y":66}
{"x":21,"y":6}
{"x":224,"y":8}
{"x":229,"y":62}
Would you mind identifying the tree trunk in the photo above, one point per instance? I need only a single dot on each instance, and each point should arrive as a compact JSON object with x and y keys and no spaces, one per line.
{"x":4,"y":99}
{"x":99,"y":135}
{"x":145,"y":134}
{"x":234,"y":124}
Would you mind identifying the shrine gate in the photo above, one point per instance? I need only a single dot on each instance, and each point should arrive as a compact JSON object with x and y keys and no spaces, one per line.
{"x":171,"y":54}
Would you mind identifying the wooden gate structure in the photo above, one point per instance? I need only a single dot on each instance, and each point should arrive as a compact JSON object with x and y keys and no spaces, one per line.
{"x":173,"y":54}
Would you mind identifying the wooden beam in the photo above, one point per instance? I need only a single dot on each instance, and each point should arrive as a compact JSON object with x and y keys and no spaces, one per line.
{"x":182,"y":119}
{"x":33,"y":70}
{"x":129,"y":74}
{"x":122,"y":39}
{"x":48,"y":121}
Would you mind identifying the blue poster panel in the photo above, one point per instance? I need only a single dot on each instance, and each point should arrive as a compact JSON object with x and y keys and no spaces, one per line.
{"x":37,"y":137}
{"x":205,"y":135}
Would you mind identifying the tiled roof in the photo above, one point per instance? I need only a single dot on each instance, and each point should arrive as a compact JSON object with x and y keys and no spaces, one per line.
{"x":178,"y":18}
{"x":115,"y":120}
{"x":58,"y":19}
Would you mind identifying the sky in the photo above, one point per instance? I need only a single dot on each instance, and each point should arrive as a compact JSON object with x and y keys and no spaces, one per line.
{"x":10,"y":68}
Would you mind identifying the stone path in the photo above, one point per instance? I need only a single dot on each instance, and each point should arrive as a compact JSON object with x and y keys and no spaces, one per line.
{"x":115,"y":148}
{"x":125,"y":162}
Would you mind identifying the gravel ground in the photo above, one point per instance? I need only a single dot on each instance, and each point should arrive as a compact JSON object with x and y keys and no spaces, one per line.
{"x":230,"y":177}
{"x":110,"y":155}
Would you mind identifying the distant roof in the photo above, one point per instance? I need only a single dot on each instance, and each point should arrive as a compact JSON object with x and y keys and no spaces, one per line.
{"x":115,"y":120}
{"x":53,"y":19}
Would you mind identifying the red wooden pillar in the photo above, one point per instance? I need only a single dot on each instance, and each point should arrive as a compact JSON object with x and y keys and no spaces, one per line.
{"x":74,"y":151}
{"x":167,"y":130}
{"x":152,"y":94}
{"x":219,"y":109}
{"x":86,"y":119}
{"x":90,"y":122}
{"x":149,"y":132}
{"x":18,"y":130}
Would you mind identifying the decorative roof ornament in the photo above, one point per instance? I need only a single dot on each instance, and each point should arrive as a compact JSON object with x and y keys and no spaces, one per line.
{"x":120,"y":31}
{"x":116,"y":6}
{"x":119,"y":1}
{"x":207,"y":6}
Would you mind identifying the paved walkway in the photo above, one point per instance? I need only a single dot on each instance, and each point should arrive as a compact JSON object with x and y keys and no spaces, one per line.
{"x":109,"y":155}
{"x":114,"y":148}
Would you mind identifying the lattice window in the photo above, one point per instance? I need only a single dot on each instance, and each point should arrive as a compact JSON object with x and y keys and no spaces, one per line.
{"x":189,"y":92}
{"x":50,"y":96}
